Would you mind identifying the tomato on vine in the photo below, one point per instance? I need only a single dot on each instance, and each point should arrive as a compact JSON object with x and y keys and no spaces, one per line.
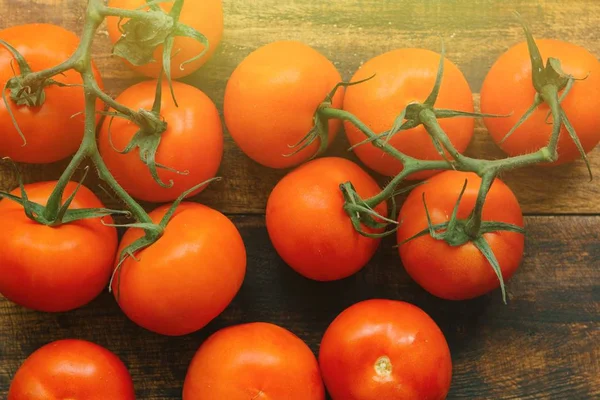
{"x":160,"y":161}
{"x":188,"y":54}
{"x":253,"y":361}
{"x":308,"y":223}
{"x":187,"y":277}
{"x":512,"y":73}
{"x":436,"y":248}
{"x":72,"y":369}
{"x":37,"y":124}
{"x":271,"y":104}
{"x":398,"y":79}
{"x":385,"y":349}
{"x":54,"y":268}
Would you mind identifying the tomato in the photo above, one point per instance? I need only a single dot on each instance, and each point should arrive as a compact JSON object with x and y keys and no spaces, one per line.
{"x":458,"y":272}
{"x":402,"y":77}
{"x":385,"y":349}
{"x":205,"y":16}
{"x":307,"y":223}
{"x":74,"y":370}
{"x":185,"y":279}
{"x":192,"y":145}
{"x":271,"y":99}
{"x":511,"y":74}
{"x":53,"y":131}
{"x":54,"y":269}
{"x":253,"y":361}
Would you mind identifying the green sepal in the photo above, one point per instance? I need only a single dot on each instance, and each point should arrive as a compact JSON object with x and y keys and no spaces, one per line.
{"x":140,"y":37}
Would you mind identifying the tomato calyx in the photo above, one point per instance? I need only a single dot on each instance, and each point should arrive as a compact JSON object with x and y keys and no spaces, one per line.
{"x":145,"y":31}
{"x":152,"y":231}
{"x":320,"y":129}
{"x":552,"y":86}
{"x":456,"y":232}
{"x":147,"y":139}
{"x":362,"y":211}
{"x":56,"y":213}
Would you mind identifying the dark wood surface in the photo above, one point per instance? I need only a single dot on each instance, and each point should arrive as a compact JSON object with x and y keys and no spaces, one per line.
{"x":543,"y":345}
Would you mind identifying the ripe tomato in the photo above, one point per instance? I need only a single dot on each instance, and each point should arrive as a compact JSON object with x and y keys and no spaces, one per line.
{"x":271,"y":99}
{"x":385,"y":349}
{"x":192,"y":143}
{"x":54,"y":269}
{"x":402,"y":77}
{"x":205,"y":16}
{"x":253,"y":361}
{"x":308,"y":225}
{"x":72,"y":369}
{"x":511,"y":73}
{"x":461,"y":272}
{"x":188,"y":277}
{"x":51,"y":130}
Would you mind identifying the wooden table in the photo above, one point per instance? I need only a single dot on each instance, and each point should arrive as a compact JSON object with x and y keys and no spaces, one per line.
{"x":543,"y":345}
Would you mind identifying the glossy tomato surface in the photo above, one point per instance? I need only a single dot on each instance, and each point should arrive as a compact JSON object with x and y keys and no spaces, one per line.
{"x":59,"y":268}
{"x":192,"y":145}
{"x":385,"y":349}
{"x":401,"y":77}
{"x":458,"y":272}
{"x":308,"y":225}
{"x":185,"y":279}
{"x":508,"y":90}
{"x":205,"y":16}
{"x":253,"y":361}
{"x":53,"y":130}
{"x":72,"y":370}
{"x":271,"y":99}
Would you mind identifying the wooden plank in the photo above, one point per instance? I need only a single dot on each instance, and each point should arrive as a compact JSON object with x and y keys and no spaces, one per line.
{"x":350,"y":32}
{"x":542,"y":345}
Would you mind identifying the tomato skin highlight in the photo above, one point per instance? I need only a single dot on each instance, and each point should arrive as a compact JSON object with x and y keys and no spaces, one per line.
{"x":253,"y":361}
{"x":271,"y":99}
{"x":307,"y":223}
{"x":54,"y":269}
{"x":53,"y":130}
{"x":188,"y":277}
{"x":511,"y":73}
{"x":74,"y":370}
{"x":401,"y":77}
{"x":205,"y":16}
{"x":192,"y":143}
{"x":462,"y":272}
{"x":385,"y":349}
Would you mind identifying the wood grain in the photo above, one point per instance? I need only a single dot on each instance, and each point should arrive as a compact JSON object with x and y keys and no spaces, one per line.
{"x":542,"y":345}
{"x":350,"y":32}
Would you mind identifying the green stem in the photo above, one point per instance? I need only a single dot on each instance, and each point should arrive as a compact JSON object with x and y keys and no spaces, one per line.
{"x":105,"y":11}
{"x":473,"y":227}
{"x":430,"y":122}
{"x":550,"y":95}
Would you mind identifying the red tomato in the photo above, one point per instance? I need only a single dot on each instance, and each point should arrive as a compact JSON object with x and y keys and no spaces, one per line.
{"x":51,"y":130}
{"x":73,"y":370}
{"x":401,"y":77}
{"x":384,"y":349}
{"x":271,"y":99}
{"x":192,"y":143}
{"x":205,"y":16}
{"x":461,"y":272}
{"x":58,"y":268}
{"x":511,"y":74}
{"x":253,"y":361}
{"x":308,"y":225}
{"x":185,"y":279}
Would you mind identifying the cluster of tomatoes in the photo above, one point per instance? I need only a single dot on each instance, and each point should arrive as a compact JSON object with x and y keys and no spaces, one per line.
{"x":177,"y":285}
